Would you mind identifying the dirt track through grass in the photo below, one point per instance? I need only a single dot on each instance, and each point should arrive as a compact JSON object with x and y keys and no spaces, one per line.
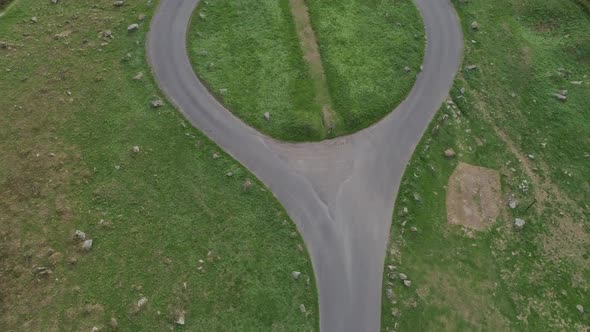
{"x":312,"y":56}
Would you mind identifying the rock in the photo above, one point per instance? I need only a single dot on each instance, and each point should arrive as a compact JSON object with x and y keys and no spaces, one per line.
{"x":202,"y":15}
{"x":302,"y":308}
{"x":157,"y":103}
{"x":34,"y":19}
{"x":475,"y":25}
{"x":519,"y":223}
{"x":118,"y":3}
{"x":414,"y":229}
{"x":391,"y":268}
{"x":295,"y":274}
{"x":179,"y":317}
{"x":402,"y":276}
{"x":63,"y":34}
{"x":562,"y":92}
{"x":407,"y":69}
{"x":229,"y":174}
{"x":450,"y":153}
{"x":142,"y":302}
{"x":138,"y":77}
{"x":141,"y":17}
{"x":79,"y":235}
{"x":135,"y":149}
{"x":407,"y":283}
{"x":417,"y":197}
{"x":42,"y":270}
{"x":471,"y":67}
{"x":512,"y":202}
{"x":114,"y":323}
{"x":54,"y":2}
{"x":107,"y":34}
{"x":133,"y":27}
{"x":389,"y":293}
{"x":560,"y":97}
{"x":215,"y":155}
{"x":462,"y":91}
{"x":246,"y":185}
{"x":87,"y":245}
{"x":580,"y":308}
{"x":577,"y":82}
{"x":267,"y":116}
{"x":293,"y":235}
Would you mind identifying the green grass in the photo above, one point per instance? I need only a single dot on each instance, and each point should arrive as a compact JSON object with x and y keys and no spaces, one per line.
{"x":251,"y":49}
{"x":502,"y":279}
{"x":365,"y":46}
{"x":71,"y":113}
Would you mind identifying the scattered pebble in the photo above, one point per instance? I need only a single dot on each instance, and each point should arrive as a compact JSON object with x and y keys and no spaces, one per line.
{"x":519,"y":223}
{"x":79,"y":235}
{"x":157,"y":103}
{"x":133,"y":27}
{"x":450,"y":153}
{"x":87,"y":245}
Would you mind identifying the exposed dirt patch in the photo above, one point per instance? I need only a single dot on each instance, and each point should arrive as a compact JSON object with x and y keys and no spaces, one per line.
{"x":467,"y":299}
{"x":311,"y":54}
{"x":567,"y":240}
{"x":473,"y":197}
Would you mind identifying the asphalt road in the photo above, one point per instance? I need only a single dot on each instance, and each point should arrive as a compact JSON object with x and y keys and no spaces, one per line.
{"x":339,"y":192}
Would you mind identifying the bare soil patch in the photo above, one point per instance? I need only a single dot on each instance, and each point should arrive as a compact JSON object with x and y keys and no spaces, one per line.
{"x":473,"y":197}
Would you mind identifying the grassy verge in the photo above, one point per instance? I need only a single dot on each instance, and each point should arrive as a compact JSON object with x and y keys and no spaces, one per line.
{"x":507,"y":120}
{"x":248,"y":53}
{"x":167,"y":221}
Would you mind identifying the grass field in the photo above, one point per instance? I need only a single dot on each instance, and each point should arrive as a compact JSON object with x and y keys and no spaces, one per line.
{"x":507,"y":120}
{"x":248,"y":53}
{"x":167,"y":221}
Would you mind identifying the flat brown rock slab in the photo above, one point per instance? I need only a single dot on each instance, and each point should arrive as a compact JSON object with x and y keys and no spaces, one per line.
{"x":473,"y":197}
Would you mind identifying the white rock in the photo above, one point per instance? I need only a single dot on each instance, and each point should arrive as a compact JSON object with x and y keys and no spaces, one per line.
{"x":79,"y":235}
{"x":142,"y":302}
{"x":519,"y":223}
{"x":295,"y":274}
{"x":180,"y":318}
{"x":87,"y":245}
